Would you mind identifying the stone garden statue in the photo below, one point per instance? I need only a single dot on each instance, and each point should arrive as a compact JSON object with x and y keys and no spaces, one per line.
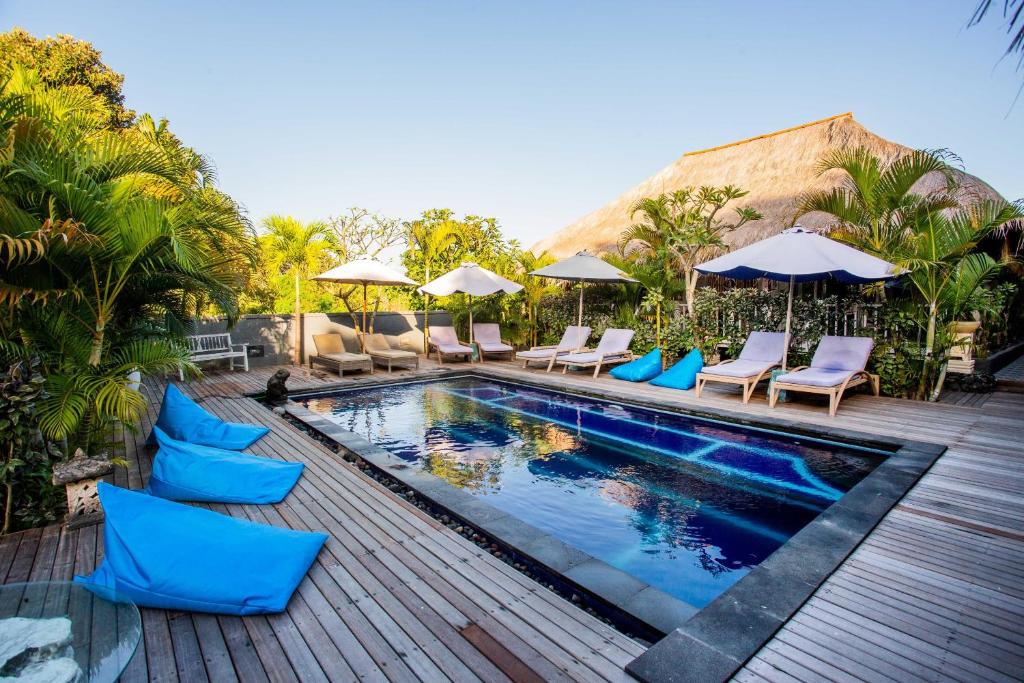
{"x":277,"y":392}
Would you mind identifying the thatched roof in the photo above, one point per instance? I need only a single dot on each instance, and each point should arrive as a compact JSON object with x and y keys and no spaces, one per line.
{"x":775,"y":168}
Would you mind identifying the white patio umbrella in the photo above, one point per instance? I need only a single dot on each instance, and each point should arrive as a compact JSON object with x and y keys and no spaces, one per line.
{"x":799,"y":255}
{"x":364,"y":272}
{"x":473,"y":280}
{"x":582,"y":268}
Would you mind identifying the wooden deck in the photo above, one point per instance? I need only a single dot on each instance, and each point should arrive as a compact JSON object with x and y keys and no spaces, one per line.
{"x":936,"y":592}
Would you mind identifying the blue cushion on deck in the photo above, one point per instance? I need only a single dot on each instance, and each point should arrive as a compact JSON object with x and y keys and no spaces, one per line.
{"x":184,"y":471}
{"x":173,"y":556}
{"x":682,"y":375}
{"x":641,"y":369}
{"x":183,"y":419}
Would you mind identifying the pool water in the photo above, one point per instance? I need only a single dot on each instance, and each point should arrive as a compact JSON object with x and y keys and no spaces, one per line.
{"x":685,"y":504}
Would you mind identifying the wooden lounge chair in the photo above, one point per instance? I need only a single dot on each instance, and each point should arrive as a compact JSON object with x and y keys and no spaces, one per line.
{"x":330,"y":352}
{"x":487,"y":337}
{"x":377,"y":347}
{"x":612,"y":349}
{"x":761,"y":354}
{"x":838,"y":364}
{"x":574,"y":339}
{"x":446,"y":342}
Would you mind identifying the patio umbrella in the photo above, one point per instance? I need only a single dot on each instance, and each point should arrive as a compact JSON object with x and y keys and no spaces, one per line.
{"x":582,"y":268}
{"x":473,"y":280}
{"x":364,"y":272}
{"x":799,"y":255}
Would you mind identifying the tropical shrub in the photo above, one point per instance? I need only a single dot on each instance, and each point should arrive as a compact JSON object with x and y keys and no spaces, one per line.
{"x":30,"y":498}
{"x":113,"y":238}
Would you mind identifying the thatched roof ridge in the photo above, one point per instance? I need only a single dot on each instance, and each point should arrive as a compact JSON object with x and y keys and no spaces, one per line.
{"x":776,"y":168}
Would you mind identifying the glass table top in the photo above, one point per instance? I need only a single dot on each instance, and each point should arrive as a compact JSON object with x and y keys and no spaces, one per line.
{"x":61,"y":631}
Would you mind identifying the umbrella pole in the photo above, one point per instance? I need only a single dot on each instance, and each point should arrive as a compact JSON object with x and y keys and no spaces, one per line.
{"x":362,"y":340}
{"x":579,"y":322}
{"x":470,"y":318}
{"x":789,"y":322}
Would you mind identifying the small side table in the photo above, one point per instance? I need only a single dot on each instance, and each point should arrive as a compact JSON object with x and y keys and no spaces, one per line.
{"x":58,"y":630}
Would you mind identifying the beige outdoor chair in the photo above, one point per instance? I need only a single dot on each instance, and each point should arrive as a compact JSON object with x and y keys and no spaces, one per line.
{"x":331,"y":352}
{"x":487,"y":337}
{"x":574,"y":339}
{"x":838,"y":365}
{"x":377,"y":347}
{"x":446,"y":342}
{"x":761,"y":354}
{"x":611,"y":350}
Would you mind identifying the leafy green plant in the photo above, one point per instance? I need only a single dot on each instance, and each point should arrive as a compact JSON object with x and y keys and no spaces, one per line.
{"x":27,"y":463}
{"x":680,"y":230}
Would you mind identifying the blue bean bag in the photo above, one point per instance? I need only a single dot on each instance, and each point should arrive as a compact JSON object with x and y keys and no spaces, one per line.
{"x":641,"y":369}
{"x":173,"y":556}
{"x":682,"y":375}
{"x":184,"y":471}
{"x":183,"y":419}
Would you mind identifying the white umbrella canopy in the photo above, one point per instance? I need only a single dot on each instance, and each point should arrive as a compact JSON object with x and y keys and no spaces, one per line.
{"x":471,"y":279}
{"x":364,"y":272}
{"x":800,"y":255}
{"x":583,"y":267}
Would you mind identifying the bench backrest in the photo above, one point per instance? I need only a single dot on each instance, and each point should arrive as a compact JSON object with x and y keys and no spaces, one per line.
{"x":202,"y":343}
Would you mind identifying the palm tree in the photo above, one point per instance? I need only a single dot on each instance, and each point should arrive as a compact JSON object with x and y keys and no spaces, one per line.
{"x":429,"y":241}
{"x":110,"y":239}
{"x":534,"y":288}
{"x":875,"y":201}
{"x":297,"y":248}
{"x":943,"y":264}
{"x":680,"y":230}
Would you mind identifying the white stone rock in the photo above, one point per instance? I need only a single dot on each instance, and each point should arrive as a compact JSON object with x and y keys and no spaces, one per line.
{"x":60,"y":670}
{"x":25,"y":640}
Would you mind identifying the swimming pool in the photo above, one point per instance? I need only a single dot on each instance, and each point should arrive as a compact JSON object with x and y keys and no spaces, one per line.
{"x":684,"y":504}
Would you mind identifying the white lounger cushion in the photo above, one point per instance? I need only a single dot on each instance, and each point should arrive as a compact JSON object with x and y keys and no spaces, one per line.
{"x":613,"y":343}
{"x":445,"y":339}
{"x":538,"y":354}
{"x":488,"y":338}
{"x":815,"y":377}
{"x":345,"y":356}
{"x":739,"y":368}
{"x":843,"y":353}
{"x":493,"y":346}
{"x":765,"y":347}
{"x":574,"y":337}
{"x":835,"y":359}
{"x":587,"y":357}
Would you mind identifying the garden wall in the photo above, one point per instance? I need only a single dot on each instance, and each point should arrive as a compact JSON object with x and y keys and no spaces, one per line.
{"x":273,"y":336}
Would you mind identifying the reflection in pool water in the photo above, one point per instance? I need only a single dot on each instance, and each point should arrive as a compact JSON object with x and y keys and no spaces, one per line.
{"x":686,"y":505}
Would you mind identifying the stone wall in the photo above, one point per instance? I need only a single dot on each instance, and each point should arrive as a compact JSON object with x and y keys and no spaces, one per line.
{"x":275,"y":333}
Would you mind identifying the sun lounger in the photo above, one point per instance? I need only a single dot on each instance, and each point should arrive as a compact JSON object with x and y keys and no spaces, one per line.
{"x":167,"y":555}
{"x":331,"y":352}
{"x":574,"y":339}
{"x":838,"y":364}
{"x":446,"y":342}
{"x":613,"y":348}
{"x":187,"y":472}
{"x":183,"y":419}
{"x":487,"y":337}
{"x":761,"y":354}
{"x":377,"y":347}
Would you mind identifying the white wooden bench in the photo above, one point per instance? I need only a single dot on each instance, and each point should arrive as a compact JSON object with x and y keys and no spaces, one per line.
{"x":204,"y":347}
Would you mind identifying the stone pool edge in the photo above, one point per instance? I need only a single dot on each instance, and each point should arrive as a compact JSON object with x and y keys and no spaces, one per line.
{"x":708,"y":644}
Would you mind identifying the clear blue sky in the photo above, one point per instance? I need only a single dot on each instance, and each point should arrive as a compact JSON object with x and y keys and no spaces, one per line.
{"x":536,"y":113}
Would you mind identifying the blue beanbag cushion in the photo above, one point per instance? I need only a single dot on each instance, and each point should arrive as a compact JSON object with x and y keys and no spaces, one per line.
{"x":183,"y":419}
{"x":682,"y":375}
{"x":184,"y":471}
{"x":173,"y":556}
{"x":641,"y":369}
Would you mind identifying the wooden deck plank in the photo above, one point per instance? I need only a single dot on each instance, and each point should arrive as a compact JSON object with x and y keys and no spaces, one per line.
{"x":935,"y":593}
